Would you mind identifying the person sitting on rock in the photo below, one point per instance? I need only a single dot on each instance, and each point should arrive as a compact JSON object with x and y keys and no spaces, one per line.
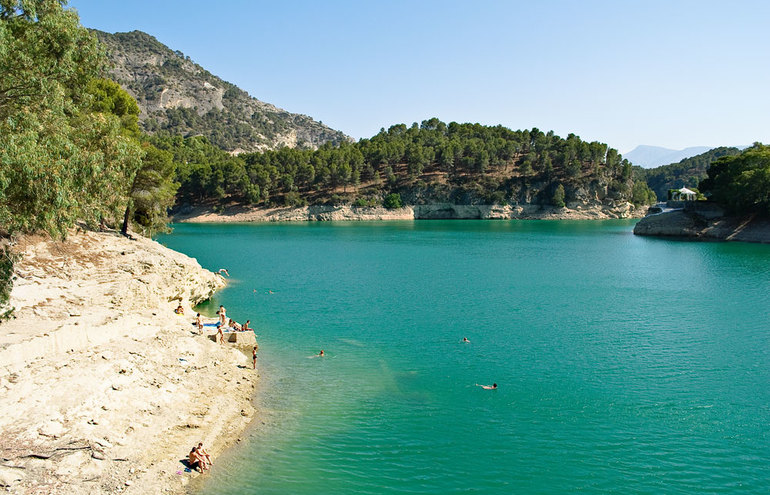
{"x":234,"y":325}
{"x":203,"y":454}
{"x":179,"y":309}
{"x":196,"y":463}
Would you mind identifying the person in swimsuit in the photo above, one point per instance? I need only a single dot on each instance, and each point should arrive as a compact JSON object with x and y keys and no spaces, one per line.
{"x":245,"y":326}
{"x":199,"y":323}
{"x":466,"y":341}
{"x":234,"y":325}
{"x":195,"y":462}
{"x":179,"y":310}
{"x":222,"y":315}
{"x":321,"y":354}
{"x":254,"y":357}
{"x":221,"y":335}
{"x":204,"y":456}
{"x":488,"y":387}
{"x":224,"y":270}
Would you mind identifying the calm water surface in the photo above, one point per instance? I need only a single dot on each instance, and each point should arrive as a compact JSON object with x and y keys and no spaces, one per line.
{"x":624,"y":364}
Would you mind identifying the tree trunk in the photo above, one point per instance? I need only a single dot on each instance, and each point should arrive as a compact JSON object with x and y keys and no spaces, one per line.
{"x":124,"y":229}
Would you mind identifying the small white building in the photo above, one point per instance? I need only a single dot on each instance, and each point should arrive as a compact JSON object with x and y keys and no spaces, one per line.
{"x":684,"y":194}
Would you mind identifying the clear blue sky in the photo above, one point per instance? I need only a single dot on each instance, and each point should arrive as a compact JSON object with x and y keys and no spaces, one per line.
{"x":665,"y":73}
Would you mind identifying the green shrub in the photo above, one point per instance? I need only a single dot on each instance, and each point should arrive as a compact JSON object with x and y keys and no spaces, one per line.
{"x":558,"y":197}
{"x":293,"y":198}
{"x":392,"y":201}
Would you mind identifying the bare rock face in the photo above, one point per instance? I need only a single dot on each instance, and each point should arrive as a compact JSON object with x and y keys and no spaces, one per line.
{"x":176,"y":94}
{"x":103,"y":387}
{"x":690,"y":224}
{"x":433,"y":211}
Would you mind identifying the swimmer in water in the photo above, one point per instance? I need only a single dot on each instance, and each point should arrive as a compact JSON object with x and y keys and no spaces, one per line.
{"x":321,"y":354}
{"x":466,"y":341}
{"x":488,"y":387}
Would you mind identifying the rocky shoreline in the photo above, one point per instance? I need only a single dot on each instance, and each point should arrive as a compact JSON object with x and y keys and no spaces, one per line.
{"x":695,"y":225}
{"x":103,"y":388}
{"x":437,"y":211}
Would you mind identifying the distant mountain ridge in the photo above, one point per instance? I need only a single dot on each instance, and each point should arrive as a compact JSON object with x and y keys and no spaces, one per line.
{"x":178,"y":96}
{"x":654,"y":156}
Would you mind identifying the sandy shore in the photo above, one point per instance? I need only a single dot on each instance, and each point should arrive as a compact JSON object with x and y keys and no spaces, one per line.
{"x":104,"y":389}
{"x":438,"y":211}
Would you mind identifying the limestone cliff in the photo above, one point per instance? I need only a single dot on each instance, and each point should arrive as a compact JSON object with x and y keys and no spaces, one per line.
{"x":103,"y":388}
{"x":690,"y":224}
{"x":434,"y":211}
{"x":178,"y":95}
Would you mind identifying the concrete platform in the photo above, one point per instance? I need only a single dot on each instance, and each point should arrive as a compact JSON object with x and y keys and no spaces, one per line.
{"x":240,"y":338}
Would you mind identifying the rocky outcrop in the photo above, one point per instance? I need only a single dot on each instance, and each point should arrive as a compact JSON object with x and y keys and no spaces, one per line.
{"x":103,"y":388}
{"x":437,"y":211}
{"x":689,"y":224}
{"x":178,"y":95}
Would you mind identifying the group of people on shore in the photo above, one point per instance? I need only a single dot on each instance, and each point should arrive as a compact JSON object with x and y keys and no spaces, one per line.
{"x":199,"y":459}
{"x":223,"y":324}
{"x":230,"y":324}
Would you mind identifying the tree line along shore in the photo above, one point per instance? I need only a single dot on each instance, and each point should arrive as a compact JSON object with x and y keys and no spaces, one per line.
{"x":73,"y":150}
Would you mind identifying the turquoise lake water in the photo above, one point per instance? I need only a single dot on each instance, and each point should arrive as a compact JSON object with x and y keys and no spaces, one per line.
{"x":625,"y":364}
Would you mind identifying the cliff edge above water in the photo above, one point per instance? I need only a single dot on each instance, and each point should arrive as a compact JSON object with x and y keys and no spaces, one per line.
{"x":704,"y":222}
{"x":437,"y":211}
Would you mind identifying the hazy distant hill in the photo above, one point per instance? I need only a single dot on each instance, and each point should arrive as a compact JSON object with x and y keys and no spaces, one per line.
{"x":686,"y":173}
{"x":181,"y":97}
{"x":654,"y":156}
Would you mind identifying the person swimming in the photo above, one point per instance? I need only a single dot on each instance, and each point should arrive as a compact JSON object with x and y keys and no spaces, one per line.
{"x":466,"y":341}
{"x":488,"y":387}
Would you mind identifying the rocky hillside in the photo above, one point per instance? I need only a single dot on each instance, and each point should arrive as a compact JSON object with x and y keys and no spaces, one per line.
{"x":179,"y":96}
